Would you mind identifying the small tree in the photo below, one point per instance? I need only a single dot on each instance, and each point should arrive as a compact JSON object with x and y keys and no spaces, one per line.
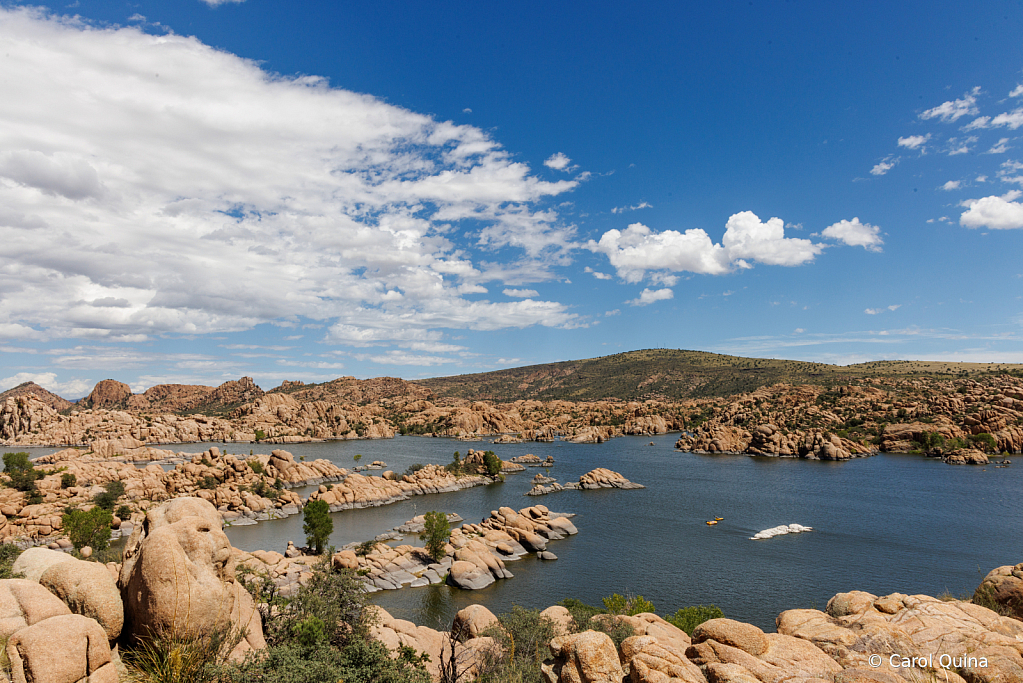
{"x":19,"y":468}
{"x":318,"y":525}
{"x":358,"y":457}
{"x":112,"y":490}
{"x":492,"y":463}
{"x":90,"y":528}
{"x":67,"y":480}
{"x":688,"y":618}
{"x":436,"y":532}
{"x":260,"y":435}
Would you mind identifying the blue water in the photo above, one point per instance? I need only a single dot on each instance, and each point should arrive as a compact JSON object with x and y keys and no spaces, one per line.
{"x":890,"y":523}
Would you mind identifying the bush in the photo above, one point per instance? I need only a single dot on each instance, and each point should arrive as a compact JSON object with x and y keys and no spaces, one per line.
{"x":123,"y":512}
{"x":256,"y":466}
{"x":318,"y":525}
{"x":260,"y":435}
{"x":985,"y":442}
{"x":617,"y":604}
{"x":23,"y":475}
{"x":193,"y":657}
{"x":90,"y":528}
{"x":524,"y":637}
{"x":412,"y":469}
{"x":436,"y":532}
{"x":112,"y":490}
{"x":589,"y":618}
{"x":8,"y":554}
{"x":209,"y":483}
{"x":688,"y":618}
{"x":67,"y":480}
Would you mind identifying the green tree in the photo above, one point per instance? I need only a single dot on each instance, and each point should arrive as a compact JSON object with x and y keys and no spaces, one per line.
{"x":19,"y":468}
{"x":260,"y":435}
{"x":436,"y":532}
{"x":112,"y":490}
{"x":358,"y":457}
{"x":67,"y":480}
{"x":90,"y":528}
{"x":492,"y":463}
{"x":318,"y":525}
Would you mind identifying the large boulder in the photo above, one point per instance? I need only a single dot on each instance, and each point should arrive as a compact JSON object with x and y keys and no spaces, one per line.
{"x":1003,"y":587}
{"x":88,"y":589}
{"x":31,"y":563}
{"x":472,"y":621}
{"x":588,"y":657}
{"x":469,"y":576}
{"x":24,"y":603}
{"x":62,"y":649}
{"x":650,"y":660}
{"x":178,"y":577}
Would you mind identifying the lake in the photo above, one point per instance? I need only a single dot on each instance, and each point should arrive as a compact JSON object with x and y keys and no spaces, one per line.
{"x":889,"y":523}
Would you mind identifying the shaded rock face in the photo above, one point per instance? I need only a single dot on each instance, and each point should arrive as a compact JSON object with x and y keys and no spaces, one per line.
{"x":1003,"y":586}
{"x":178,"y":577}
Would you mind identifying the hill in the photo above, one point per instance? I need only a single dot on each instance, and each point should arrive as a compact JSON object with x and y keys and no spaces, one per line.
{"x":676,"y":374}
{"x":32,"y":389}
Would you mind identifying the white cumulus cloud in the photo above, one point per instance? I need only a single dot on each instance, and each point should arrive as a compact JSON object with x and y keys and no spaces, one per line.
{"x":883,"y":166}
{"x":153,"y":185}
{"x":951,"y":185}
{"x":214,"y":3}
{"x":639,"y":249}
{"x":855,"y":234}
{"x":914,"y":141}
{"x":73,"y":388}
{"x":953,"y":110}
{"x":649,"y":296}
{"x":559,"y":162}
{"x":993,"y":212}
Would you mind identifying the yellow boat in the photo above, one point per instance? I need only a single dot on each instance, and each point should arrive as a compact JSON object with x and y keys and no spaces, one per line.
{"x":719,"y":518}
{"x":711,"y":523}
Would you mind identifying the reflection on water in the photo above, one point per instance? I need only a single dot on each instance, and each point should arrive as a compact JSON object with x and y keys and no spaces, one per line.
{"x":883,"y":524}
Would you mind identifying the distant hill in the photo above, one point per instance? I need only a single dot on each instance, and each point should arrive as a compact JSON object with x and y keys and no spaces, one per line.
{"x":32,"y":389}
{"x":676,"y":374}
{"x":351,"y":390}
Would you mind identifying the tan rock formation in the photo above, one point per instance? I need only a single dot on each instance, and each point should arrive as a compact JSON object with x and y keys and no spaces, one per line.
{"x":588,"y":657}
{"x":178,"y":577}
{"x":1003,"y":586}
{"x":61,"y":649}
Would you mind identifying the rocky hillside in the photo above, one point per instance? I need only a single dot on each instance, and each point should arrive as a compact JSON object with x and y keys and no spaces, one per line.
{"x":32,"y":389}
{"x":675,"y":375}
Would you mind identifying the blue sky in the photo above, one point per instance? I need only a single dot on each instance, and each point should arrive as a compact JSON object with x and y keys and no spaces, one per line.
{"x":195,"y":191}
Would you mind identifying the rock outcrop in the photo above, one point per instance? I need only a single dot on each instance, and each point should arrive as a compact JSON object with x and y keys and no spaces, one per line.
{"x":178,"y":577}
{"x":1003,"y":586}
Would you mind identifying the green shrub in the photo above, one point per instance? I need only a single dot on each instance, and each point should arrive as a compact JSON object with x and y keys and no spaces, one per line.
{"x":23,"y":476}
{"x":186,"y":658}
{"x":318,"y":525}
{"x":123,"y":512}
{"x":67,"y":480}
{"x":90,"y":528}
{"x":985,"y":442}
{"x":688,"y":618}
{"x":524,"y":637}
{"x":209,"y":483}
{"x":260,"y":435}
{"x":412,"y":469}
{"x":8,"y":554}
{"x":256,"y":466}
{"x":436,"y":532}
{"x":617,"y":604}
{"x":112,"y":490}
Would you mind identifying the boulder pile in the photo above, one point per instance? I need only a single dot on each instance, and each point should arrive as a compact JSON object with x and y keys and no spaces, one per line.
{"x":474,"y":557}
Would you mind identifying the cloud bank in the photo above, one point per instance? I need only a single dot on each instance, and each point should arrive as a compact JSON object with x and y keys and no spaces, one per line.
{"x":155,"y":185}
